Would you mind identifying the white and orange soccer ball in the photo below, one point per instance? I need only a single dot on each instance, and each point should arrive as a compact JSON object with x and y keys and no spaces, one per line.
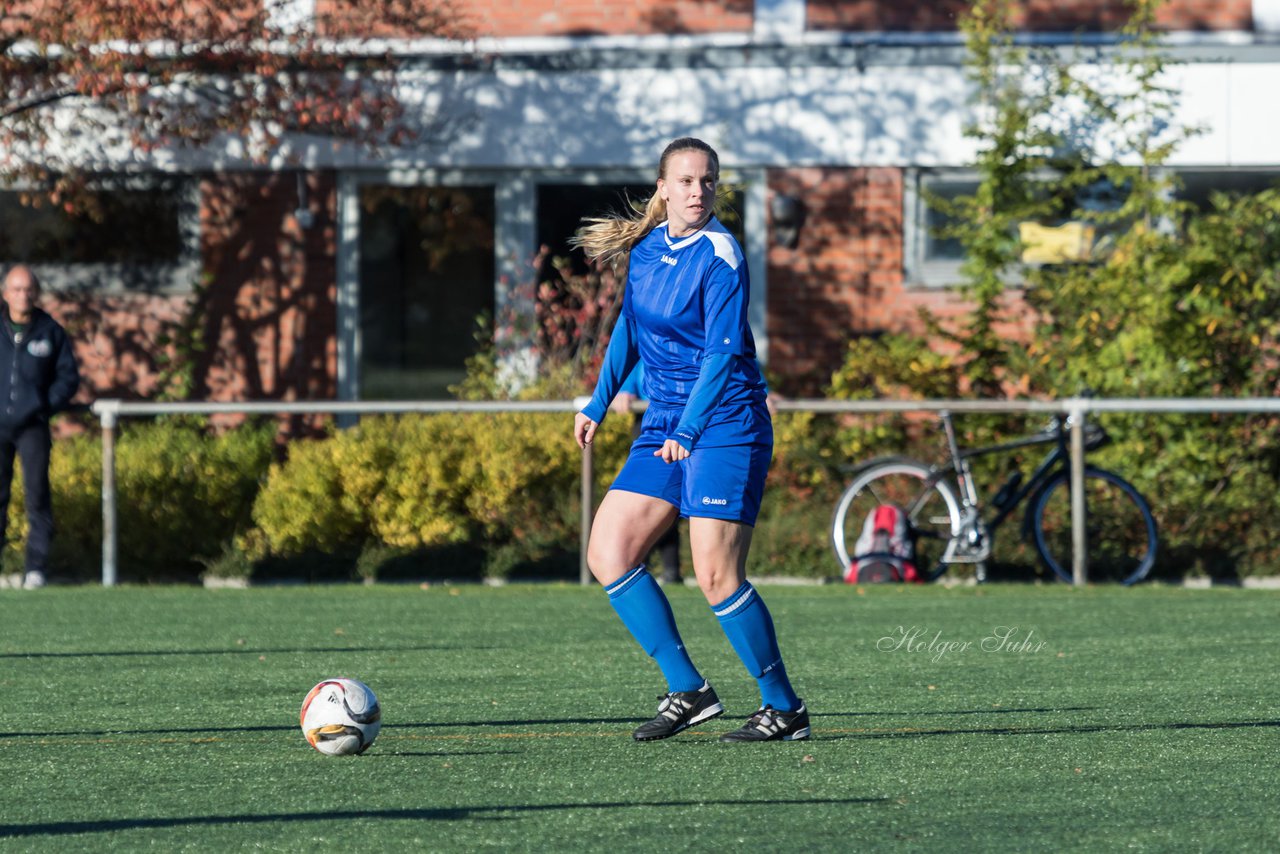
{"x":341,"y":717}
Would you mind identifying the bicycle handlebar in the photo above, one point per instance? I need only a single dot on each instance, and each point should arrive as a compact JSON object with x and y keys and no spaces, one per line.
{"x":1053,"y":431}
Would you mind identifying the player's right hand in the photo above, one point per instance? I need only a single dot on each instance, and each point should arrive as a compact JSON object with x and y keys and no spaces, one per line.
{"x":584,"y":430}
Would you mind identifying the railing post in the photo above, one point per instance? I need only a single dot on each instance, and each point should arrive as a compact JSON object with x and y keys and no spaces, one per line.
{"x":587,"y":493}
{"x":110,"y":549}
{"x":1079,"y":510}
{"x":588,"y":502}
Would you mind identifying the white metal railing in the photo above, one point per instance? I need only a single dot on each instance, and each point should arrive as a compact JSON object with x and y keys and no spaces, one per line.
{"x":1077,"y":409}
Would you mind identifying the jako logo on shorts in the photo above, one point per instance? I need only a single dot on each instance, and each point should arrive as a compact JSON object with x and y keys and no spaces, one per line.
{"x":720,"y":502}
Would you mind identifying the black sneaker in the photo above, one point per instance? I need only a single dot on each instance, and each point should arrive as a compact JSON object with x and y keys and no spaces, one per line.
{"x":769,"y":724}
{"x":680,"y":710}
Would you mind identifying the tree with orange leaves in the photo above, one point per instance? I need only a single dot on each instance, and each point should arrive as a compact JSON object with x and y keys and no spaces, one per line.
{"x":104,"y":85}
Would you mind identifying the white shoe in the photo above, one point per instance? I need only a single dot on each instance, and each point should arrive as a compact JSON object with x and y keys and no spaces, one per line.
{"x":33,"y":580}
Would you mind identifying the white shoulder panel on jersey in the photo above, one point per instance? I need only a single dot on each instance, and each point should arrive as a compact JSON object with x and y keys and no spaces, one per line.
{"x":725,"y":246}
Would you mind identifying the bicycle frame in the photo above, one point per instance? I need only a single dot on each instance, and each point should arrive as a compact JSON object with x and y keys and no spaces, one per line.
{"x":975,"y":534}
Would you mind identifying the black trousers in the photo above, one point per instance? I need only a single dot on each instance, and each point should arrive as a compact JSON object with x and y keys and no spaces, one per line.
{"x":668,"y":548}
{"x":31,"y":444}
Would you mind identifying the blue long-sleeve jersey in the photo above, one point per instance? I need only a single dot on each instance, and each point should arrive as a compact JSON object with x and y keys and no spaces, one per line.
{"x":684,"y":316}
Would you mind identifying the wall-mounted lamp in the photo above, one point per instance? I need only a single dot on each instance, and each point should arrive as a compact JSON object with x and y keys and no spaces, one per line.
{"x":787,"y":213}
{"x":303,"y":213}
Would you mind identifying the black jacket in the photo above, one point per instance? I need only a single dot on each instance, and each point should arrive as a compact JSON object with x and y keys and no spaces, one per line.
{"x":38,"y":373}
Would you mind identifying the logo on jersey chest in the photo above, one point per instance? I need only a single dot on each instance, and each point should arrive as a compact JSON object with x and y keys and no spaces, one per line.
{"x":667,"y":259}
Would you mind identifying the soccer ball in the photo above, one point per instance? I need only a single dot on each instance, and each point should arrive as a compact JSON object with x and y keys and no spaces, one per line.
{"x":341,"y":717}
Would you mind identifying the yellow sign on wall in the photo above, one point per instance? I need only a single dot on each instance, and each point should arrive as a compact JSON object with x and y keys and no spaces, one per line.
{"x":1071,"y":242}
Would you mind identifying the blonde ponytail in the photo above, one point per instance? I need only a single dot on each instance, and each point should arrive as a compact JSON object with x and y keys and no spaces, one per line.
{"x":608,"y":238}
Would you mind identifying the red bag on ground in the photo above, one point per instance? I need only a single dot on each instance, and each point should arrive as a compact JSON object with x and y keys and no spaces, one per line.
{"x":886,"y":549}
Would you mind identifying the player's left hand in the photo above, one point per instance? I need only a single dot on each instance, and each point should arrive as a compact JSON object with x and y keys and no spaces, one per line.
{"x":622,"y":402}
{"x":672,"y":451}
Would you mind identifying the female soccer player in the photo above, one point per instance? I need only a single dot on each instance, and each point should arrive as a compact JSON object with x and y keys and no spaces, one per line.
{"x":704,"y":447}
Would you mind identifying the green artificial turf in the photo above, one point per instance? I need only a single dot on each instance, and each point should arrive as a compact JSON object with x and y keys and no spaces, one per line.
{"x":166,"y":718}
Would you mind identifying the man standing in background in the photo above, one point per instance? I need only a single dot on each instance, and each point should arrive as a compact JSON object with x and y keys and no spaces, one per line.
{"x":38,"y":377}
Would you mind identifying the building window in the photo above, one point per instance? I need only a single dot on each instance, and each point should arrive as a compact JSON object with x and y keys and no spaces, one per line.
{"x":935,"y":261}
{"x":932,"y":261}
{"x":126,"y":234}
{"x":426,"y":278}
{"x":562,"y":207}
{"x":422,"y":256}
{"x":1198,"y":185}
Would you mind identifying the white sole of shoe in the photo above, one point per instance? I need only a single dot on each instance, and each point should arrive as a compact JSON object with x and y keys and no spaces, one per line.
{"x":706,"y":714}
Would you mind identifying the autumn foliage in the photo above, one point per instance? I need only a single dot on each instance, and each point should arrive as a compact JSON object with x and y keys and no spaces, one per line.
{"x":103,"y":85}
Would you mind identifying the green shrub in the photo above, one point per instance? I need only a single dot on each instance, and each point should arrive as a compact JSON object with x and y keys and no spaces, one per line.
{"x":182,"y":494}
{"x":422,"y":483}
{"x":427,"y":483}
{"x":233,"y":564}
{"x":75,"y":475}
{"x":321,"y":497}
{"x":792,"y":534}
{"x":890,"y":366}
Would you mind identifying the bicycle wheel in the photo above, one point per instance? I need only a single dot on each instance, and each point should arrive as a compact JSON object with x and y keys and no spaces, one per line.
{"x":929,"y":503}
{"x":1119,"y":528}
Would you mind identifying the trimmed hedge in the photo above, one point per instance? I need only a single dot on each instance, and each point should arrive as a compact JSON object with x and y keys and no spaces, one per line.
{"x":454,"y":494}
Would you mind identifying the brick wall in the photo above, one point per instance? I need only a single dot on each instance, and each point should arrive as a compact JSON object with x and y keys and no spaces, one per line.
{"x":77,"y":22}
{"x":1041,"y":15}
{"x":833,"y":284}
{"x":501,"y":18}
{"x":505,"y":18}
{"x":270,"y":310}
{"x":119,"y":339}
{"x":844,"y":277}
{"x":268,"y":314}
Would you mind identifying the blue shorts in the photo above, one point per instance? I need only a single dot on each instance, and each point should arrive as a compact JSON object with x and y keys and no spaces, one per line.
{"x":714,"y":483}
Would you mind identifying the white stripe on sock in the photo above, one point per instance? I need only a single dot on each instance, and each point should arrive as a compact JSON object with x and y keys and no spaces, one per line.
{"x":736,"y":603}
{"x":624,"y":580}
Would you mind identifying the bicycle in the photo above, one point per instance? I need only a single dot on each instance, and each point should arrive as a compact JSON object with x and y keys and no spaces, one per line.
{"x":950,"y":526}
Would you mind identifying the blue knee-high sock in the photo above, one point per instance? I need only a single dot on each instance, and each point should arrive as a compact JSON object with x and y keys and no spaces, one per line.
{"x":646,"y":613}
{"x":748,"y":625}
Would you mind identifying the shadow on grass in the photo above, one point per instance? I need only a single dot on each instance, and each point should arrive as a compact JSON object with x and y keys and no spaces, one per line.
{"x":64,"y":828}
{"x":1083,"y":729}
{"x":634,"y":719}
{"x":901,"y":713}
{"x":108,"y":733}
{"x":214,"y":730}
{"x":435,"y":754}
{"x":245,"y":650}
